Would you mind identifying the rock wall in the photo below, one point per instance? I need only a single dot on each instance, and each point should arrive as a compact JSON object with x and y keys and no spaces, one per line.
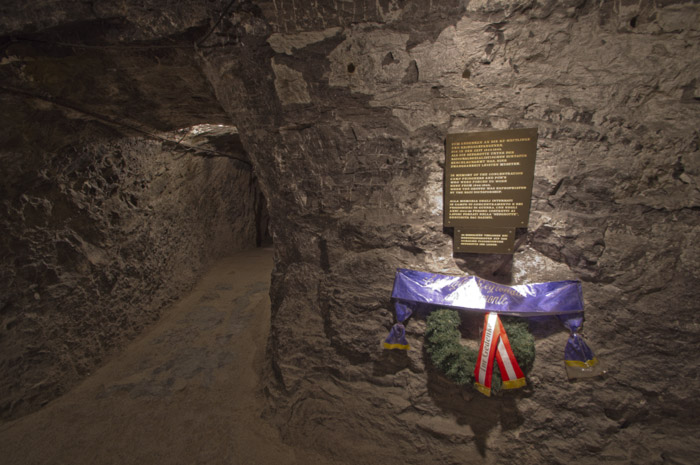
{"x":344,"y":107}
{"x":345,"y":117}
{"x":100,"y":230}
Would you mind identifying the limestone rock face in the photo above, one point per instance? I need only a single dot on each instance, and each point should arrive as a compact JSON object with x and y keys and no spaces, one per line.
{"x":343,"y":108}
{"x":100,"y":231}
{"x":352,"y":161}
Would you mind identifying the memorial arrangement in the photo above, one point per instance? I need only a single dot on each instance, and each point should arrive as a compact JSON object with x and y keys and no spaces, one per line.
{"x":508,"y":343}
{"x":488,"y":185}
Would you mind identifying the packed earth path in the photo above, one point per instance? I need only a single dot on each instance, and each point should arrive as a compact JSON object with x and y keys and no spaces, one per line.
{"x":187,"y":391}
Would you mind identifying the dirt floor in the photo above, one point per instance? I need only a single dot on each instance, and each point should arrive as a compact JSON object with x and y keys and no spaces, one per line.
{"x":185,"y":392}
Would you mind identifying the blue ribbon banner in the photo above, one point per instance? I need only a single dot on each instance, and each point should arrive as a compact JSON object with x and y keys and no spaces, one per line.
{"x":414,"y":289}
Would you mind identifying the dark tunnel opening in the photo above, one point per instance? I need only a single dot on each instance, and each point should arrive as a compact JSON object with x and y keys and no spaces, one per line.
{"x":103,"y":230}
{"x":122,"y":180}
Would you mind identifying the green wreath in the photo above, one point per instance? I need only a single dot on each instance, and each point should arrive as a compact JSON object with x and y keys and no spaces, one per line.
{"x":457,"y":362}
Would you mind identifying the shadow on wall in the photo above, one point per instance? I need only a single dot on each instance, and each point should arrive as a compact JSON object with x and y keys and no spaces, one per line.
{"x":482,"y":414}
{"x":263,"y":236}
{"x":468,"y":408}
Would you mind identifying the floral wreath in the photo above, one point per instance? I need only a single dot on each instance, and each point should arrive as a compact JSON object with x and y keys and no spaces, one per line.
{"x":457,"y":362}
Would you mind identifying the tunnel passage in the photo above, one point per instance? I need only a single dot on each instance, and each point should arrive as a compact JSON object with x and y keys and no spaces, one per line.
{"x":353,"y":159}
{"x":122,"y":178}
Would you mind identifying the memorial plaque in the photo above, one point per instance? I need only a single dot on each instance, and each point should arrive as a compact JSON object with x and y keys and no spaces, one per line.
{"x":488,"y":185}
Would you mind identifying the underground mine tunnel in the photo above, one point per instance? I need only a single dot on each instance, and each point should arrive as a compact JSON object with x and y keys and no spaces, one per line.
{"x":149,"y":150}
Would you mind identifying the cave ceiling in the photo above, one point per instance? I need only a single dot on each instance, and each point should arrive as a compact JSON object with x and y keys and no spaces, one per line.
{"x":139,"y":79}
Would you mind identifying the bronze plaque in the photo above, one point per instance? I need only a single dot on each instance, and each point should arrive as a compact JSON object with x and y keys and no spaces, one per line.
{"x":484,"y":240}
{"x":488,"y":181}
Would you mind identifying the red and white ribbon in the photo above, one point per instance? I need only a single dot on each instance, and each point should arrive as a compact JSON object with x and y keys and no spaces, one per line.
{"x":495,"y":344}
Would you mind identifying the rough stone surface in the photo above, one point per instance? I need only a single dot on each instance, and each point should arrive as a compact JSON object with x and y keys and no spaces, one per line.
{"x":355,"y":178}
{"x":343,"y":108}
{"x":97,"y":236}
